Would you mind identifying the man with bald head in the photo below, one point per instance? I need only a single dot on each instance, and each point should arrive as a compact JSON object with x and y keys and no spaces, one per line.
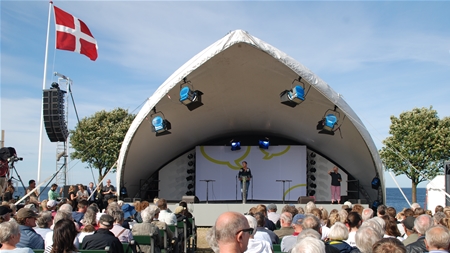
{"x":232,"y":232}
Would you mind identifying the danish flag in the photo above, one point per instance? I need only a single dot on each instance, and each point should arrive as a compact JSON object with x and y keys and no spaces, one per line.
{"x":73,"y":35}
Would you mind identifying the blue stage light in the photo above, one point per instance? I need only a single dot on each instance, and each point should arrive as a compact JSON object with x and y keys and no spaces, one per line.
{"x":330,"y":122}
{"x":264,"y":143}
{"x":235,"y":145}
{"x":192,"y":99}
{"x":295,"y":96}
{"x":160,"y":125}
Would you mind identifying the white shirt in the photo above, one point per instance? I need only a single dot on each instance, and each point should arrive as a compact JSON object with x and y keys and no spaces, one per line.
{"x":258,"y":246}
{"x":273,"y":216}
{"x":168,"y":218}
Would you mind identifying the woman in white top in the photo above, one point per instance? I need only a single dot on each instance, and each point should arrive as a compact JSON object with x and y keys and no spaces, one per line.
{"x":10,"y":236}
{"x":82,"y":193}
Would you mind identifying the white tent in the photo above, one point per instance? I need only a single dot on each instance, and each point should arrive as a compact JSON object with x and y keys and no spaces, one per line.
{"x":436,"y":192}
{"x":241,"y":77}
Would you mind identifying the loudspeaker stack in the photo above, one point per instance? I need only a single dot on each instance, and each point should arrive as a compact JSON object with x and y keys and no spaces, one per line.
{"x":54,"y":115}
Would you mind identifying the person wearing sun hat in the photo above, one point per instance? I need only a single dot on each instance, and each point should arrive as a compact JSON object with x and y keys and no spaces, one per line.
{"x":28,"y":237}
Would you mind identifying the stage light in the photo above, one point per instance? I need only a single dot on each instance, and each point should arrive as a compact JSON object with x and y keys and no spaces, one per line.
{"x":312,"y":162}
{"x":312,"y":170}
{"x":189,"y":193}
{"x":190,"y":186}
{"x":190,"y":163}
{"x":190,"y":178}
{"x":160,"y":125}
{"x":312,"y":154}
{"x":376,"y":183}
{"x":190,"y":156}
{"x":313,"y":185}
{"x":191,"y":98}
{"x":235,"y":145}
{"x":190,"y":171}
{"x":294,"y":96}
{"x":264,"y":143}
{"x":312,"y":193}
{"x":313,"y":178}
{"x":329,"y":121}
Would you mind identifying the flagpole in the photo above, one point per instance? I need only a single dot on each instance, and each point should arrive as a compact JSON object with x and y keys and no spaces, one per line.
{"x":41,"y":129}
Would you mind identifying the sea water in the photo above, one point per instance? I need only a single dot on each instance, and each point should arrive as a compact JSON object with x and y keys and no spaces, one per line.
{"x":394,"y":198}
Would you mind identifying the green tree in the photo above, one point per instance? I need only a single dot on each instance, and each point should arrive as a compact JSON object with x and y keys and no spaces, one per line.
{"x":97,"y":139}
{"x":418,"y":145}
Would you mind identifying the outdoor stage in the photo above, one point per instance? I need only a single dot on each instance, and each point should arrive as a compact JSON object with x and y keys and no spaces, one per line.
{"x":206,"y":214}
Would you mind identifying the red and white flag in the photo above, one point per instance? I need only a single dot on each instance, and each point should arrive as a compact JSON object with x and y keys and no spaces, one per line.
{"x":72,"y":34}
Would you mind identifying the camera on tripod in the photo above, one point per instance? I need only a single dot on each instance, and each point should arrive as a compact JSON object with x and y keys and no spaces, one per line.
{"x":15,"y":159}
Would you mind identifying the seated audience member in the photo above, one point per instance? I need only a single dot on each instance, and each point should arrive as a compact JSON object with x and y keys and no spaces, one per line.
{"x":437,"y":217}
{"x":165,"y":214}
{"x":267,"y":223}
{"x":256,"y":245}
{"x":391,"y":229}
{"x":438,"y":208}
{"x":408,"y":225}
{"x":103,"y":237}
{"x":272,"y":214}
{"x":28,"y":237}
{"x":5,"y":213}
{"x":357,"y":208}
{"x":353,"y":222}
{"x":437,"y":239}
{"x":419,"y":211}
{"x":336,"y":236}
{"x":90,"y":218}
{"x":79,"y":214}
{"x":120,"y":232}
{"x":288,"y":241}
{"x":261,"y":221}
{"x":309,"y":245}
{"x":312,"y":222}
{"x":309,"y":207}
{"x":286,"y":228}
{"x":162,"y":226}
{"x":10,"y":236}
{"x":64,"y":234}
{"x":414,"y":206}
{"x":445,"y":222}
{"x":365,"y":237}
{"x":180,"y":214}
{"x":185,"y":211}
{"x":230,"y":233}
{"x":148,"y":228}
{"x":85,"y":231}
{"x":421,"y":225}
{"x":390,"y":245}
{"x":60,"y":215}
{"x":51,"y":207}
{"x":44,"y":222}
{"x":367,"y":214}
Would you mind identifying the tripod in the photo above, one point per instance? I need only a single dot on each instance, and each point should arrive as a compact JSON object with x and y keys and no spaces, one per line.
{"x":13,"y":168}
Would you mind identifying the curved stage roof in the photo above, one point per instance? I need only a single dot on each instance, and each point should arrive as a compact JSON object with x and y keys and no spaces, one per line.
{"x":242,"y":77}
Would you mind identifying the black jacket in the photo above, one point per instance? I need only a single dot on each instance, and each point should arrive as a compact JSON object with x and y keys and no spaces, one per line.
{"x":102,"y":238}
{"x":417,"y":246}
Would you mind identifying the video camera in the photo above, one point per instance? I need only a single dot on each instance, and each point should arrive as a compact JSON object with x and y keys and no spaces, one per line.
{"x":9,"y":155}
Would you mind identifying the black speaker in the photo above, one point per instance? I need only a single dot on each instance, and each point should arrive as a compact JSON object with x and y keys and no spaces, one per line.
{"x":305,"y":199}
{"x":54,"y":115}
{"x":190,"y":199}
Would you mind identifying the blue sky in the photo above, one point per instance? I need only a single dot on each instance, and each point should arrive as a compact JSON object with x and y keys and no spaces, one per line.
{"x":383,"y":57}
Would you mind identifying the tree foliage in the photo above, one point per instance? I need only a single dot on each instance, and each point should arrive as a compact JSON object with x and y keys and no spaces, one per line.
{"x":97,"y":139}
{"x":418,"y":145}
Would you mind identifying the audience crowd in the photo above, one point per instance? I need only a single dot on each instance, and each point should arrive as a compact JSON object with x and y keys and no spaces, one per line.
{"x":83,"y":222}
{"x":350,"y":228}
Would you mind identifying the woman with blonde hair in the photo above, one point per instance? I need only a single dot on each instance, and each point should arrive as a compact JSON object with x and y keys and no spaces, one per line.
{"x":73,"y":197}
